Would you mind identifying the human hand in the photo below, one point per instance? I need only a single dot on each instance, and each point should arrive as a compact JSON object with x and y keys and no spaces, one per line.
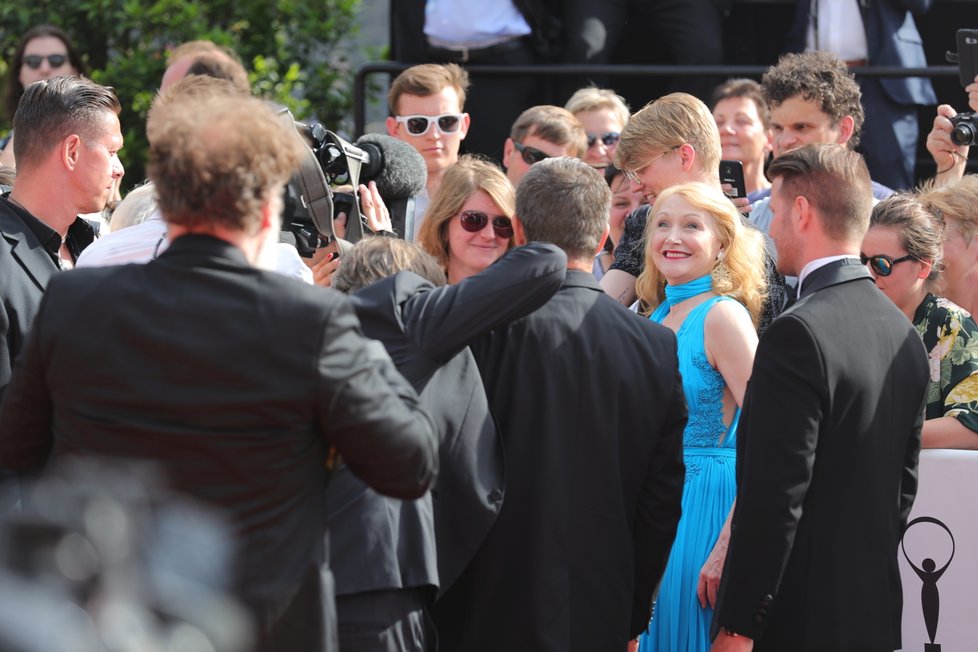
{"x":324,"y":264}
{"x":709,"y":582}
{"x":972,"y":91}
{"x":725,"y":642}
{"x":632,"y":645}
{"x":373,"y":209}
{"x":945,"y":153}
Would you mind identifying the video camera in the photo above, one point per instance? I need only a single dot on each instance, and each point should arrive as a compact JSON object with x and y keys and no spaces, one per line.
{"x":965,"y":125}
{"x":311,"y":205}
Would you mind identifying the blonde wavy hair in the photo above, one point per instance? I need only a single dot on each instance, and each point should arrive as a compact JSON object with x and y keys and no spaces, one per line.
{"x":743,"y":276}
{"x":462,"y":180}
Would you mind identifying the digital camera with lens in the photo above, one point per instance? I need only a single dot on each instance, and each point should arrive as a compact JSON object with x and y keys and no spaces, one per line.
{"x":964,"y":129}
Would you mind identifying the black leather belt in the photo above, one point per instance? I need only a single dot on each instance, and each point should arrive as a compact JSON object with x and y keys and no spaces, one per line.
{"x":464,"y":55}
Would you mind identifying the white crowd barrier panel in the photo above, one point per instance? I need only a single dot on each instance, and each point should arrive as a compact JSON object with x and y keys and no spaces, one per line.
{"x":939,"y":556}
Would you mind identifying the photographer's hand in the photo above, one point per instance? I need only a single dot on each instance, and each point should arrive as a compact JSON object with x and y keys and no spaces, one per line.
{"x":323,"y":264}
{"x":373,"y":209}
{"x":951,"y":159}
{"x":972,"y":90}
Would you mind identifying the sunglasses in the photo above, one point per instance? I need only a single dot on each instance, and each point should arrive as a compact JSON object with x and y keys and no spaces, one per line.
{"x":475,"y":221}
{"x":609,"y":139}
{"x":882,"y":264}
{"x":33,"y":61}
{"x":530,"y":155}
{"x":418,"y":125}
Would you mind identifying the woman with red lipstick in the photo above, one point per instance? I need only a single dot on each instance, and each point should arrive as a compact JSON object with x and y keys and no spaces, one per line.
{"x":702,"y":279}
{"x":467,"y":226}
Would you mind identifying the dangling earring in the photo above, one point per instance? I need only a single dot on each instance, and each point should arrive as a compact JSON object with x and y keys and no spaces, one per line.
{"x":720,"y":273}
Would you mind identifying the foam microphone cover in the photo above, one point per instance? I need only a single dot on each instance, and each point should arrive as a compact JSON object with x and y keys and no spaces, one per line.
{"x":397,"y":168}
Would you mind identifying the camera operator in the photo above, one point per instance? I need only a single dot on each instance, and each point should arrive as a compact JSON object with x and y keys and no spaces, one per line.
{"x":951,"y":159}
{"x":326,"y":260}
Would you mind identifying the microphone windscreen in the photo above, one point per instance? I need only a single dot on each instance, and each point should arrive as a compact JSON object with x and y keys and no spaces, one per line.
{"x":397,"y":168}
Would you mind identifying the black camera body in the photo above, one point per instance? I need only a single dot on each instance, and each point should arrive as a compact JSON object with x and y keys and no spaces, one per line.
{"x":965,"y":129}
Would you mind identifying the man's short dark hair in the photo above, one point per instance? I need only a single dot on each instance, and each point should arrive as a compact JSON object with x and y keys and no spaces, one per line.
{"x":819,"y":77}
{"x":566,"y":202}
{"x":52,"y":109}
{"x":217,"y":159}
{"x":835,"y":180}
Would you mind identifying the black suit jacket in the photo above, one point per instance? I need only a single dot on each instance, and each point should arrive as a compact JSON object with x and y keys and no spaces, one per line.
{"x":826,"y":471}
{"x":235,"y":381}
{"x":590,"y":405}
{"x":381,"y":543}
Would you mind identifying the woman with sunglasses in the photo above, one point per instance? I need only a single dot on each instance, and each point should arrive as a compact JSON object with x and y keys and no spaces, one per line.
{"x":702,"y":280}
{"x":44,"y":51}
{"x":903,"y":250}
{"x":467,"y":225}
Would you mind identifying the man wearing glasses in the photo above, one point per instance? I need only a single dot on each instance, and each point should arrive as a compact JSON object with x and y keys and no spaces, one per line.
{"x":426,"y":103}
{"x":542,"y":132}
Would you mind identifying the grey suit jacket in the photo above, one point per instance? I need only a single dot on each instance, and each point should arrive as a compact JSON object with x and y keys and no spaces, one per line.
{"x":380,"y":543}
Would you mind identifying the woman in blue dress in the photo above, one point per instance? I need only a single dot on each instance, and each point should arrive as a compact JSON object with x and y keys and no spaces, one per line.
{"x":704,"y":278}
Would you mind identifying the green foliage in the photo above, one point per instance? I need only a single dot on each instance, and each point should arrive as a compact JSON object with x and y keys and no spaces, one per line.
{"x":293,"y":50}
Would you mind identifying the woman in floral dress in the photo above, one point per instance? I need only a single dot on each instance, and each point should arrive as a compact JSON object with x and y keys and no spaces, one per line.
{"x":903,"y":249}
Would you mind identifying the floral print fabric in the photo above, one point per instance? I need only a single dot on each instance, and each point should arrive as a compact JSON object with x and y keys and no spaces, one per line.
{"x":951,"y":338}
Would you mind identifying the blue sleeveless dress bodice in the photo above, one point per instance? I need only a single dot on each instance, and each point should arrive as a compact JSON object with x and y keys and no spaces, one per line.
{"x":678,"y":622}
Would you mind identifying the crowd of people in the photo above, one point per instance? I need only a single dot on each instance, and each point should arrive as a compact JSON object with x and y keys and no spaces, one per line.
{"x":585,"y":397}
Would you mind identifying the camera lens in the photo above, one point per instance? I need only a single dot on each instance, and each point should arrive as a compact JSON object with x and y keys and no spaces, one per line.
{"x":965,"y":129}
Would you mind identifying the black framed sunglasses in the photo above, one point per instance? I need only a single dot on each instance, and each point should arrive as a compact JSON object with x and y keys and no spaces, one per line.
{"x":530,"y":155}
{"x":475,"y":221}
{"x":883,"y":264}
{"x":418,"y":125}
{"x":33,"y":61}
{"x":609,"y":139}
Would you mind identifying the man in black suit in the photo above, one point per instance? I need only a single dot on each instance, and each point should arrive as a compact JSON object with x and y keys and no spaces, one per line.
{"x":68,"y":139}
{"x":588,"y":399}
{"x":392,"y":556}
{"x":829,"y":434}
{"x":241,"y":384}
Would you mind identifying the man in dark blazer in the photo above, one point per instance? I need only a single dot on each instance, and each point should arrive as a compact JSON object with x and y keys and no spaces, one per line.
{"x":829,"y":434}
{"x":890,"y":136}
{"x":241,"y":384}
{"x":588,"y":400}
{"x":391,"y":556}
{"x":68,"y":138}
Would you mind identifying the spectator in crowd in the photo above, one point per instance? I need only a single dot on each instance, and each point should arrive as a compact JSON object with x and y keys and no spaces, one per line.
{"x":702,"y":281}
{"x":903,"y":252}
{"x":814,"y":99}
{"x":592,"y":485}
{"x":744,"y":122}
{"x":473,"y":32}
{"x":829,"y":434}
{"x":207,"y":59}
{"x":688,"y":33}
{"x":468,"y":225}
{"x":186,"y":376}
{"x":542,"y":132}
{"x":603,"y":114}
{"x":44,"y":51}
{"x":880,"y":33}
{"x":670,"y":141}
{"x":426,"y":104}
{"x":625,"y":199}
{"x":384,"y":551}
{"x":67,"y":145}
{"x":7,"y":176}
{"x":954,"y":205}
{"x":951,"y":159}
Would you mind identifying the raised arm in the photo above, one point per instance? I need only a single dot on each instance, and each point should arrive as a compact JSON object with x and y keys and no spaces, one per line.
{"x":370,"y":413}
